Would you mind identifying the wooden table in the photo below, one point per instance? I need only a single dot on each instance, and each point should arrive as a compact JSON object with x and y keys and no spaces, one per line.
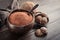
{"x":51,"y":8}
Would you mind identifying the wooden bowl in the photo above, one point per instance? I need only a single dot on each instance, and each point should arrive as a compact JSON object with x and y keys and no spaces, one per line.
{"x":20,"y":21}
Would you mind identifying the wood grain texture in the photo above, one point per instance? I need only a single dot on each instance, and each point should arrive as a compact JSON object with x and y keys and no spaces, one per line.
{"x":51,"y":8}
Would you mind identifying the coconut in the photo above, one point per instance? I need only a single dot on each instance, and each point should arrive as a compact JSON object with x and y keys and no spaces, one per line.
{"x":44,"y":20}
{"x":28,"y":5}
{"x":38,"y":33}
{"x":39,"y":19}
{"x":44,"y":29}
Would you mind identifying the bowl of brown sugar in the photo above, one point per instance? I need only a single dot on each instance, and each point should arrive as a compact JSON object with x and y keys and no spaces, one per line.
{"x":20,"y":21}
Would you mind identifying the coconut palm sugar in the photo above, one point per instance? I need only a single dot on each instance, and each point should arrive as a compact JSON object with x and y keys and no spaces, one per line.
{"x":20,"y":18}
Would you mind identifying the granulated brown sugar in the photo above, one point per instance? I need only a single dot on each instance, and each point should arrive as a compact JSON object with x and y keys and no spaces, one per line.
{"x":20,"y":18}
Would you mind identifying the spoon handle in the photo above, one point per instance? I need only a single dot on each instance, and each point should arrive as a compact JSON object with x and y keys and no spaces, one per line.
{"x":34,"y":7}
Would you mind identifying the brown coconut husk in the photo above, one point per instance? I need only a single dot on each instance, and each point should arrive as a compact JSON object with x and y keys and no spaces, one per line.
{"x":28,"y":5}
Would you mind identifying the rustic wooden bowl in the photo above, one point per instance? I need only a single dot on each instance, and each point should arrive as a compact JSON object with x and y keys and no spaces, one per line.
{"x":20,"y":29}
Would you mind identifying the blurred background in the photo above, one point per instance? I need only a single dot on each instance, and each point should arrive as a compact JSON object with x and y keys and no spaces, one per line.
{"x":52,"y":9}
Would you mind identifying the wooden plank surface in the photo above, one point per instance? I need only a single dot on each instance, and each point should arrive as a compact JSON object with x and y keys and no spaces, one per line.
{"x":51,"y":8}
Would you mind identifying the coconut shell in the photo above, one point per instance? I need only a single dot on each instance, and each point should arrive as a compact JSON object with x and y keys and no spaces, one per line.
{"x":28,"y":5}
{"x":39,"y":19}
{"x":43,"y":15}
{"x":44,"y":20}
{"x":43,"y":29}
{"x":38,"y":33}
